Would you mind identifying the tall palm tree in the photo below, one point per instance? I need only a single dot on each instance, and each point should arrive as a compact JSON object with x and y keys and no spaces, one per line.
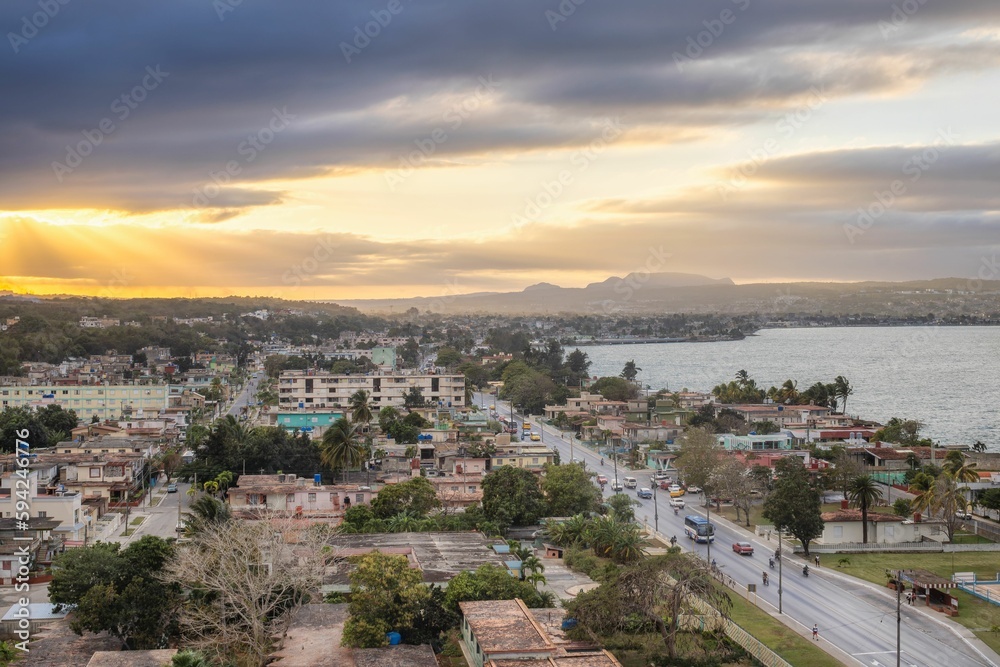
{"x":864,"y":492}
{"x":922,"y":486}
{"x":340,"y":447}
{"x":742,"y":378}
{"x":531,"y":564}
{"x":959,"y":468}
{"x":361,"y":410}
{"x":842,"y":389}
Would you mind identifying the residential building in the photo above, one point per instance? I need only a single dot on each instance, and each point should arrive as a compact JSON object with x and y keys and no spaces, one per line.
{"x":115,"y":479}
{"x":313,"y":422}
{"x":99,"y":322}
{"x":845,"y":526}
{"x":732,"y":442}
{"x":505,"y":632}
{"x":311,"y":389}
{"x":523,"y":455}
{"x":296,"y":495}
{"x":104,"y":401}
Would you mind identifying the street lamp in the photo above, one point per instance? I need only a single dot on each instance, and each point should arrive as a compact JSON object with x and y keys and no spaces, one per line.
{"x":656,"y":510}
{"x":779,"y":570}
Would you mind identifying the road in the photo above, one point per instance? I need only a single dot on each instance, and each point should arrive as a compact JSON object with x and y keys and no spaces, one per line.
{"x":245,"y":397}
{"x":161,"y":520}
{"x":855,"y":617}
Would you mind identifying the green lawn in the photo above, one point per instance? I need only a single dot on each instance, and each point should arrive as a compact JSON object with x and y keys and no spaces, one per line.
{"x":137,"y":520}
{"x":975,"y":614}
{"x":795,"y":647}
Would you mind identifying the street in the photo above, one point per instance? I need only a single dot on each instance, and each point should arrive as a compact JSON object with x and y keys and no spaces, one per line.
{"x":854,"y":616}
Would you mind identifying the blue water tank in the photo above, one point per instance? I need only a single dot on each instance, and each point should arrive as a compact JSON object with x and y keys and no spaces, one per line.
{"x":318,"y":479}
{"x":394,"y":638}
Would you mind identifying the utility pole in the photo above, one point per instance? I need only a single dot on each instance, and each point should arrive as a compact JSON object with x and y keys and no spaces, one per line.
{"x":779,"y":570}
{"x":899,"y":617}
{"x":711,"y":533}
{"x":656,"y":511}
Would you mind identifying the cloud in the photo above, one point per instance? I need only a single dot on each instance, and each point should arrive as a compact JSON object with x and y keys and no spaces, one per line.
{"x":227,"y":77}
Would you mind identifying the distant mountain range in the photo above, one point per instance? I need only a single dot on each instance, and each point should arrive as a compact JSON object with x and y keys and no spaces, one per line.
{"x":661,"y":293}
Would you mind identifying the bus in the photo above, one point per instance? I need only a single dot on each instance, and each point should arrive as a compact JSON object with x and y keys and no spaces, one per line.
{"x":699,"y":529}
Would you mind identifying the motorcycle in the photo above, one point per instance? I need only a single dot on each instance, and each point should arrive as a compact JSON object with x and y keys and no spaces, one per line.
{"x":763,"y":577}
{"x":602,"y":461}
{"x":676,"y":511}
{"x":770,"y":563}
{"x":673,"y":540}
{"x":805,"y":570}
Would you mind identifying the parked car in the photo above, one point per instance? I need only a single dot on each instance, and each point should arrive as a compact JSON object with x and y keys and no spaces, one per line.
{"x":171,"y":488}
{"x":694,"y":489}
{"x":963,"y":514}
{"x":743,"y":548}
{"x":677,"y":502}
{"x":644,"y":493}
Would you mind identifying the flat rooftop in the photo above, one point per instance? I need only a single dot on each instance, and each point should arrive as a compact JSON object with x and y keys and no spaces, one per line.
{"x":440,"y":556}
{"x":504,"y":626}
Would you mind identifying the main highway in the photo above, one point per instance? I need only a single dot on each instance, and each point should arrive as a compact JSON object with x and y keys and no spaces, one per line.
{"x":856,"y":618}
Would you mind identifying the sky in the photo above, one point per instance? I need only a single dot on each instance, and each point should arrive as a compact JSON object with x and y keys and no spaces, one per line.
{"x":340,"y":150}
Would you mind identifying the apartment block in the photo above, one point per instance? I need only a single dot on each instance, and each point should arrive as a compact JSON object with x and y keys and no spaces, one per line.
{"x":105,"y":401}
{"x":309,"y":390}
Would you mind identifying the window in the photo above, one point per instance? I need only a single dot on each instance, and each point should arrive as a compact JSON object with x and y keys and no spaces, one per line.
{"x":312,"y":497}
{"x":95,"y":472}
{"x":890,"y":531}
{"x":838,"y":531}
{"x":359,"y":498}
{"x":290,"y":499}
{"x":472,"y":489}
{"x":42,"y":515}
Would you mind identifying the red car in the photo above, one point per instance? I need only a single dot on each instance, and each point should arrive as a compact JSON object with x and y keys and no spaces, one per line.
{"x":743,"y":548}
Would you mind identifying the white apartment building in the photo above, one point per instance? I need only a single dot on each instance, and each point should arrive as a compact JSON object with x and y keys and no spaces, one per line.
{"x":309,"y":390}
{"x":105,"y":401}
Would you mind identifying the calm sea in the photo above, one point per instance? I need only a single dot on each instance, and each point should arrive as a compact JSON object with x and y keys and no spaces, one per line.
{"x":946,"y":377}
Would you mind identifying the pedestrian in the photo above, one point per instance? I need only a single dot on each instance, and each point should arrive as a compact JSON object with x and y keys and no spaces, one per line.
{"x":815,"y":632}
{"x":817,"y":561}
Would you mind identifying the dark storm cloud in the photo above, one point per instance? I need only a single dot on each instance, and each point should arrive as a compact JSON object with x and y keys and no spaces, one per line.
{"x":224,"y":79}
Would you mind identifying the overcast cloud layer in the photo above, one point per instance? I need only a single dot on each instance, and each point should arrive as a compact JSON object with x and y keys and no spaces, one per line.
{"x":839,"y":140}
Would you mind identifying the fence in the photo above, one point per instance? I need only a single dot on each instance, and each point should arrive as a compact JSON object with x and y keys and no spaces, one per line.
{"x":987,"y":530}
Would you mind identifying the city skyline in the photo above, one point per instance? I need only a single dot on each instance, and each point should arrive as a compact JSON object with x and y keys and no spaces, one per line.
{"x":393,"y":149}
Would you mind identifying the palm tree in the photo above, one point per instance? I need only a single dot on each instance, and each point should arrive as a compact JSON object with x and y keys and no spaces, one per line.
{"x":959,"y":469}
{"x":842,"y":389}
{"x":531,"y":563}
{"x":204,"y":513}
{"x":863,"y":492}
{"x":536,"y":578}
{"x":742,"y":378}
{"x":340,"y":447}
{"x":629,"y":545}
{"x":631,"y":371}
{"x":404,"y":522}
{"x":922,"y":485}
{"x":361,"y":411}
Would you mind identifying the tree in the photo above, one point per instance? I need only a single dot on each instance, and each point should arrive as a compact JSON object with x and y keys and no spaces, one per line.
{"x":116,"y":590}
{"x":205,"y":514}
{"x":512,"y":497}
{"x":361,"y":410}
{"x":414,"y":398}
{"x":990,"y":499}
{"x":904,"y":432}
{"x":901,"y":507}
{"x":623,"y":507}
{"x":979,"y":446}
{"x":765,"y":427}
{"x":842,"y":389}
{"x":734,"y":482}
{"x":387,"y":416}
{"x":958,"y":468}
{"x":615,"y":389}
{"x":340,"y":447}
{"x":242,"y":581}
{"x":845,"y":468}
{"x":653,"y":595}
{"x":631,"y":371}
{"x":491,"y":582}
{"x":864,"y":492}
{"x":568,"y":490}
{"x":448,"y":357}
{"x":415,"y":496}
{"x":386,"y":594}
{"x":699,"y":457}
{"x":794,"y":505}
{"x":578,"y":363}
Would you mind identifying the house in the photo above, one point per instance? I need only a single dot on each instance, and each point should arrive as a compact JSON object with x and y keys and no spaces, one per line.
{"x":731,"y":442}
{"x":884,"y":457}
{"x":114,"y":478}
{"x":458,"y":490}
{"x":530,"y":456}
{"x":313,"y":422}
{"x":845,"y":526}
{"x":506,"y":632}
{"x":296,"y":496}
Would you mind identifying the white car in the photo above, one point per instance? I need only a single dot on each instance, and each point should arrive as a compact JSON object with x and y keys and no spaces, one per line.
{"x":694,"y":489}
{"x":677,"y":502}
{"x":962,"y":514}
{"x":617,"y":486}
